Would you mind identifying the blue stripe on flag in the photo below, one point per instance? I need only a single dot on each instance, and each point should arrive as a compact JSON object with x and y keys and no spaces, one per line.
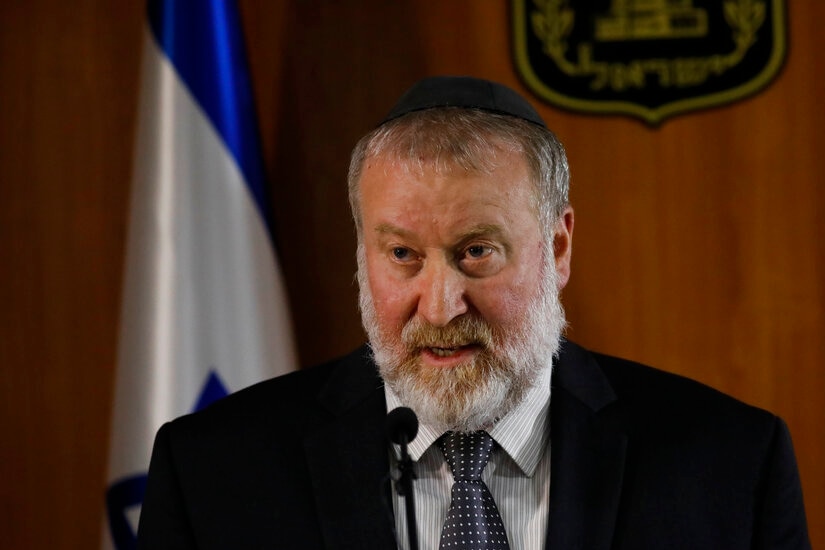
{"x":203,"y":40}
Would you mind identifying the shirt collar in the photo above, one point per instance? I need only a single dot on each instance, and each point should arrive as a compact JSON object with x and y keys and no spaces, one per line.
{"x":522,"y":433}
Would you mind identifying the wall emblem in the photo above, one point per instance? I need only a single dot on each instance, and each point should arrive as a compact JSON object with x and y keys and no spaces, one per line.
{"x":649,"y":59}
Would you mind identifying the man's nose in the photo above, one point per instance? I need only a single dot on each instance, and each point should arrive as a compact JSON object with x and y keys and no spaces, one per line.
{"x":442,"y":294}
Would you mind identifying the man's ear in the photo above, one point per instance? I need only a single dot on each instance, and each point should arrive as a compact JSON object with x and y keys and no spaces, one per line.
{"x":563,"y":246}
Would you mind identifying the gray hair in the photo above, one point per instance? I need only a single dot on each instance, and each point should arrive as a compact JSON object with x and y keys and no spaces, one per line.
{"x":453,"y":137}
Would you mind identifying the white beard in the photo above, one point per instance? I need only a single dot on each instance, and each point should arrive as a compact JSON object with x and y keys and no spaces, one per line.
{"x":472,"y":396}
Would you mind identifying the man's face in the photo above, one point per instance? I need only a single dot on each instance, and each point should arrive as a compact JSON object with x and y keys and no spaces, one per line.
{"x":459,"y":287}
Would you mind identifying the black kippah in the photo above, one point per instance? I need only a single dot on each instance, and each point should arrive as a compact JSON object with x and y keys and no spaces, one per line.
{"x":467,"y":92}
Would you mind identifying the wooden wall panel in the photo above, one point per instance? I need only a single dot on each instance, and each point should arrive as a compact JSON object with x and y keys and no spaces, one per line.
{"x":697,"y":247}
{"x":67,"y":108}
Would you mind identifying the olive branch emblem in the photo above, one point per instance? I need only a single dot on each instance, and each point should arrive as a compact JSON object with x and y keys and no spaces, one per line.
{"x":552,"y":21}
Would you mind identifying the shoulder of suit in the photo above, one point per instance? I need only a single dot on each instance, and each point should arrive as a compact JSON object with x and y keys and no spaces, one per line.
{"x":658,"y":398}
{"x":287,"y":399}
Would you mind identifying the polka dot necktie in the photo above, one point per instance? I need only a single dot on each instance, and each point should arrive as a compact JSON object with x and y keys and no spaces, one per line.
{"x":473,"y":521}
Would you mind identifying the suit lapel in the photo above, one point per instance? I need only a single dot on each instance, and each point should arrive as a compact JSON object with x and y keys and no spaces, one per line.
{"x":348,"y":460}
{"x":587,"y":455}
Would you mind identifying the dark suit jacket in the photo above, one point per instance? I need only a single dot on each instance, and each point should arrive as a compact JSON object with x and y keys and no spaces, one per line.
{"x":640,"y":459}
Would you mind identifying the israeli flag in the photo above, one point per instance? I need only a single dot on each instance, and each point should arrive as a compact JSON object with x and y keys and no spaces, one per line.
{"x":204,"y":309}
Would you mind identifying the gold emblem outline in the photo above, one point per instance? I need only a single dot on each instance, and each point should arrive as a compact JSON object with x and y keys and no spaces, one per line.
{"x":652,"y":116}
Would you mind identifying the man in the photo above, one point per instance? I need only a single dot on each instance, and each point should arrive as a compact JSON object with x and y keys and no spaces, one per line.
{"x":464,"y":242}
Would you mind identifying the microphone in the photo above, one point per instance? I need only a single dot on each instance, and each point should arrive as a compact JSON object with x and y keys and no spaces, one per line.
{"x":402,"y":427}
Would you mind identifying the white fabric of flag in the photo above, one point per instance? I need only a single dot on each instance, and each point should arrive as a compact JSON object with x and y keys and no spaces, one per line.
{"x":204,"y":310}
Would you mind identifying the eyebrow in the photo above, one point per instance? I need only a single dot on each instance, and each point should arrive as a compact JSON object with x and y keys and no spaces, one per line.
{"x":484,"y":229}
{"x":389,"y":229}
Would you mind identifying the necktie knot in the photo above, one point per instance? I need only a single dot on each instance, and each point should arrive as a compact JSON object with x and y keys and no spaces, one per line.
{"x":466,"y":453}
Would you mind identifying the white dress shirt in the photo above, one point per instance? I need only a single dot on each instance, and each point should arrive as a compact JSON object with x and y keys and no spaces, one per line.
{"x":518,"y":474}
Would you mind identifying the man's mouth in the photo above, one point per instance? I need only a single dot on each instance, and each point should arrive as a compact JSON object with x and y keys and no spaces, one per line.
{"x":443,"y":352}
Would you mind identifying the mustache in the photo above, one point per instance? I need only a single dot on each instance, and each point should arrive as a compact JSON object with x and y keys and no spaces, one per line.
{"x":461,"y":331}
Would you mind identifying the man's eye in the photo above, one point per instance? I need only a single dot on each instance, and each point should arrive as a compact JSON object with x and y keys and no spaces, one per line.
{"x":401,"y":253}
{"x":478,"y":251}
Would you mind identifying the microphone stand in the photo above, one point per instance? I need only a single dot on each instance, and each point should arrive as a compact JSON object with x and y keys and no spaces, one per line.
{"x":404,"y":487}
{"x":402,"y":427}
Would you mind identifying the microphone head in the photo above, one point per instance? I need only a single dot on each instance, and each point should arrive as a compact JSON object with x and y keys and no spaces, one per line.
{"x":402,"y":425}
